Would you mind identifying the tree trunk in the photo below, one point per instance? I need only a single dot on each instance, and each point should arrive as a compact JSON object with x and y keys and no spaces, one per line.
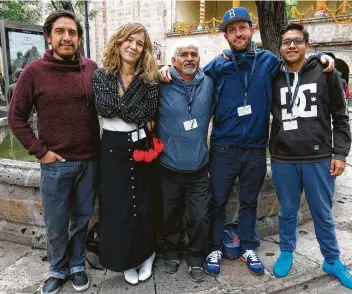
{"x":272,"y":18}
{"x":68,"y":5}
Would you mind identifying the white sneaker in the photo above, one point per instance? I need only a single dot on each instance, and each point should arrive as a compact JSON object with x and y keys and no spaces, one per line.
{"x":131,"y":276}
{"x":145,"y":271}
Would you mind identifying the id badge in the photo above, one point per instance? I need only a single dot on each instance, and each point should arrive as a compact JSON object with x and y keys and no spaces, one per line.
{"x":134,"y":135}
{"x":290,"y":125}
{"x":244,"y":110}
{"x":190,"y":124}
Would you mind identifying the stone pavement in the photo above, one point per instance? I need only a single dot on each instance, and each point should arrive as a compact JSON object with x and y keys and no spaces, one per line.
{"x":22,"y":269}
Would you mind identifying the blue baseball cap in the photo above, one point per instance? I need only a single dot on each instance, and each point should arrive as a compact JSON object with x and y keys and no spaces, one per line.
{"x":234,"y":14}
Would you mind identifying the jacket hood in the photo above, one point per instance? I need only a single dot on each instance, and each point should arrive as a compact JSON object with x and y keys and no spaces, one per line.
{"x":177,"y":79}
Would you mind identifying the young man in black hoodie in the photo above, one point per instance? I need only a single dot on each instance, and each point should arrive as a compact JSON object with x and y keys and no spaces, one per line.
{"x":306,"y":152}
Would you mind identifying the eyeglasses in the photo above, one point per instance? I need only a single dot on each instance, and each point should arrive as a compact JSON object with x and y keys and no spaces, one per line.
{"x":296,"y":41}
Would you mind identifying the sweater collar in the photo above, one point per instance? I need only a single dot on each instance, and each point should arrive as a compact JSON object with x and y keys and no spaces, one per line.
{"x":50,"y":57}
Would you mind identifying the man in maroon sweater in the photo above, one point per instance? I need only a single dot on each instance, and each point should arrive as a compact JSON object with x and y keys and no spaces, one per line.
{"x":59,"y":86}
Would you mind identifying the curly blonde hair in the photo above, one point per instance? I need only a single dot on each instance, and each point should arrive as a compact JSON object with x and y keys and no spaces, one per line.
{"x":146,"y":64}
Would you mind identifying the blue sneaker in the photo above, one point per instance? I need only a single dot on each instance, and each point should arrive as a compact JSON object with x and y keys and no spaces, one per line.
{"x":251,"y":258}
{"x":80,"y":281}
{"x":283,"y":264}
{"x":51,"y":285}
{"x":340,"y":271}
{"x":212,"y":263}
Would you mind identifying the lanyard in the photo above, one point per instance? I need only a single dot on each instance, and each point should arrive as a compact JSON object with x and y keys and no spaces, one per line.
{"x":246,"y":82}
{"x":190,"y":99}
{"x":295,"y":94}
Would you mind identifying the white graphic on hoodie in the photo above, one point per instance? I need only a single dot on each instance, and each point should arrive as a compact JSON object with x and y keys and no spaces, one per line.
{"x":299,"y":107}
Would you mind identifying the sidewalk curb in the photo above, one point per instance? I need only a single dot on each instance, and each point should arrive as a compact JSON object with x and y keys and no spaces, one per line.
{"x":278,"y":286}
{"x":294,"y":283}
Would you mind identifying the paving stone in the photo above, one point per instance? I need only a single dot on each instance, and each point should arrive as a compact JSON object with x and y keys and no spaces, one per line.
{"x":236,"y":273}
{"x":25,"y":275}
{"x":269,"y":252}
{"x":7,"y":257}
{"x":180,"y":282}
{"x":114,"y":283}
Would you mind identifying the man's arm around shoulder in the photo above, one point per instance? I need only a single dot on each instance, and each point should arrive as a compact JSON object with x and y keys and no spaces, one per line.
{"x":340,"y":122}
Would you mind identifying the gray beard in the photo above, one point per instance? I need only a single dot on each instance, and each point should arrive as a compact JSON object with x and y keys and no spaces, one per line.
{"x":189,"y":72}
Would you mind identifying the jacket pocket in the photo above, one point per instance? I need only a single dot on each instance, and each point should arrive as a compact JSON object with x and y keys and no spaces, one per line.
{"x":307,"y":140}
{"x":184,"y":153}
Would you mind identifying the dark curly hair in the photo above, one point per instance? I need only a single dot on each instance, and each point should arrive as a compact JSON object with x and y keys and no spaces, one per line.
{"x":48,"y":23}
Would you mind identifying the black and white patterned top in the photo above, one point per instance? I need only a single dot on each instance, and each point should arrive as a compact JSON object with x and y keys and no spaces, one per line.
{"x":138,"y":104}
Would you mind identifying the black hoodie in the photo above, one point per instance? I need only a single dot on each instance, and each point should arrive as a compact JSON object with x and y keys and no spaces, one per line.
{"x":320,"y":101}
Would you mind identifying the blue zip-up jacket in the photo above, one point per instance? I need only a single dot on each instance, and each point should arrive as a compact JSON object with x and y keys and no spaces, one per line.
{"x":229,"y":78}
{"x":184,"y":150}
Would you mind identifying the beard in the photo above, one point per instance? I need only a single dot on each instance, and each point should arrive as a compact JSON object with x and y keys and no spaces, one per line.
{"x":189,"y":71}
{"x":246,"y":48}
{"x":66,"y":57}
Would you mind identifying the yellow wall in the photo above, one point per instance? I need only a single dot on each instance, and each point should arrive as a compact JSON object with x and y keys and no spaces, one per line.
{"x":303,"y":6}
{"x":187,"y":11}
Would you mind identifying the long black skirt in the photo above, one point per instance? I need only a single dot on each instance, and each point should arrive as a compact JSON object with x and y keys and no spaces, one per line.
{"x":127,"y":236}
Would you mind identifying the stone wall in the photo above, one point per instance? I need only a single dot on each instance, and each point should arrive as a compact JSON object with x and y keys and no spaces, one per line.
{"x":21,"y":212}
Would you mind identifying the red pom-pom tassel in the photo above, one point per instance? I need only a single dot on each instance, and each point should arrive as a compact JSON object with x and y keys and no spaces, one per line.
{"x":158,"y":145}
{"x":138,"y":155}
{"x":149,"y":156}
{"x":155,"y":153}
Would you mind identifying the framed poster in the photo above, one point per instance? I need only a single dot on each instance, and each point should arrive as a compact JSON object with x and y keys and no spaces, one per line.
{"x":23,"y":46}
{"x":20,"y":44}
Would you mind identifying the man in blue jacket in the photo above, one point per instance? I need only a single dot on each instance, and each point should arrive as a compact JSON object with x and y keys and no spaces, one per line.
{"x":243,"y":93}
{"x":184,"y":115}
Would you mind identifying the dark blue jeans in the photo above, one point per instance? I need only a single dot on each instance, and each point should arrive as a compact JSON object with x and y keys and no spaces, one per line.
{"x":227,"y":163}
{"x":68,"y":193}
{"x":290,"y":180}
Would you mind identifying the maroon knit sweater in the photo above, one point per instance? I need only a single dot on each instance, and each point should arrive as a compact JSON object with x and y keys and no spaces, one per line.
{"x":62,"y":94}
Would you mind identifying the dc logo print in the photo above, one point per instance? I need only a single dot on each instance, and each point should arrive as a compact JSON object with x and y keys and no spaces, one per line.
{"x":232,"y":13}
{"x":301,"y":108}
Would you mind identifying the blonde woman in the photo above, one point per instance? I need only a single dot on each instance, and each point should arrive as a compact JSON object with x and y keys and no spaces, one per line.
{"x":126,"y":98}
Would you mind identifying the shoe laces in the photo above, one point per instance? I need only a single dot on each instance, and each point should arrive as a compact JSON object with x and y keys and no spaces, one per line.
{"x":172,"y":261}
{"x":51,"y":279}
{"x":215,"y":256}
{"x":251,"y":254}
{"x":196,"y":268}
{"x":284,"y":256}
{"x":345,"y":270}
